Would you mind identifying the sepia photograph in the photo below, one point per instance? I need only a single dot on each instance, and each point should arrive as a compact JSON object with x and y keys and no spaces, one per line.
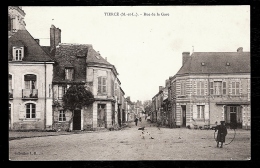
{"x":129,"y":83}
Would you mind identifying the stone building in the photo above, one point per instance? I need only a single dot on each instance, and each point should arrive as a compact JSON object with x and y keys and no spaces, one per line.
{"x":102,"y":78}
{"x":210,"y":87}
{"x":30,"y":77}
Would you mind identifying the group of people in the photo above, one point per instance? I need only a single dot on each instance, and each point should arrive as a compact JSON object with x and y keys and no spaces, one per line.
{"x":221,"y":134}
{"x":136,"y":120}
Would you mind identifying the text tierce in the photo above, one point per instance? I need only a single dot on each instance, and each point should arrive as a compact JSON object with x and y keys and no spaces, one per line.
{"x":111,"y":13}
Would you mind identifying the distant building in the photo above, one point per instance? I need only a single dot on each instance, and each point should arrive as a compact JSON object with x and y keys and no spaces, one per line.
{"x":211,"y":87}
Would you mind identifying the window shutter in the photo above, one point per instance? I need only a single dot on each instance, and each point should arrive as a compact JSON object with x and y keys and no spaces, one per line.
{"x":240,"y":87}
{"x":211,"y":88}
{"x":195,"y":88}
{"x":22,"y":112}
{"x":184,"y":87}
{"x":205,"y":87}
{"x":194,"y":111}
{"x":99,"y":84}
{"x":206,"y":111}
{"x":38,"y":110}
{"x":224,"y":87}
{"x":14,"y":53}
{"x":56,"y":115}
{"x":230,"y":87}
{"x":55,"y":92}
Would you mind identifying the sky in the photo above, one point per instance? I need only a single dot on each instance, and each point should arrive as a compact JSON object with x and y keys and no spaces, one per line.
{"x":144,"y":43}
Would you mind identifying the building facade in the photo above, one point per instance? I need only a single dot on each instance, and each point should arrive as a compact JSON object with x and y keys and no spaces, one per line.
{"x":30,"y":77}
{"x":211,"y":87}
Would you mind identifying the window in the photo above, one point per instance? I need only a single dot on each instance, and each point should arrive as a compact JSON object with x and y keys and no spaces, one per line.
{"x":62,"y":115}
{"x":200,"y":111}
{"x":218,"y":88}
{"x":9,"y":111}
{"x":10,"y":81}
{"x":69,"y":72}
{"x":102,"y":85}
{"x":200,"y":87}
{"x":112,"y":88}
{"x":30,"y":81}
{"x":61,"y":91}
{"x":30,"y":110}
{"x":116,"y":89}
{"x":17,"y":53}
{"x":235,"y":88}
{"x":182,"y":87}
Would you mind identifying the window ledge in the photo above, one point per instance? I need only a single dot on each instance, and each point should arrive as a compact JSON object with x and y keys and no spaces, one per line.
{"x":30,"y":119}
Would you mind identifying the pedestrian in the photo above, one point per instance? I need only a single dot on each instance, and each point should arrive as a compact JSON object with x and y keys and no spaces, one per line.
{"x":136,"y":121}
{"x":222,"y":132}
{"x":140,"y":119}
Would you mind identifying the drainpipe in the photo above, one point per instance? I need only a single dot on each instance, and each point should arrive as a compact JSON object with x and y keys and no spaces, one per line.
{"x":45,"y":95}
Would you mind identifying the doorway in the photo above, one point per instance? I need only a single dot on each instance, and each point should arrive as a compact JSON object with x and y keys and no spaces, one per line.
{"x":77,"y":120}
{"x":183,"y":109}
{"x":101,"y":117}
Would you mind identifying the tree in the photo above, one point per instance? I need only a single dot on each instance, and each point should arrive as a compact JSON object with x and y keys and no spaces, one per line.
{"x":77,"y":97}
{"x":148,"y":106}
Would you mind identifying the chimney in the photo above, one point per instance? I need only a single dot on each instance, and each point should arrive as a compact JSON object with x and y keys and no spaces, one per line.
{"x":55,"y":37}
{"x":160,"y":88}
{"x":185,"y":57}
{"x":106,"y":58}
{"x":240,"y":49}
{"x":38,"y":41}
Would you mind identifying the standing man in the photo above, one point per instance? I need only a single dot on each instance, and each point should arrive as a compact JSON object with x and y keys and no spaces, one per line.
{"x":136,"y":121}
{"x":222,"y":132}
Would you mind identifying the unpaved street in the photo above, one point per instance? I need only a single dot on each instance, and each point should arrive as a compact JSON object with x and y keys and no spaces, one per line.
{"x":129,"y":144}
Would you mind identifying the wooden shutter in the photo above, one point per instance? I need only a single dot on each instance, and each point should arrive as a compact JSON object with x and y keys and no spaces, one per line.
{"x":99,"y":84}
{"x":230,"y":87}
{"x":22,"y":112}
{"x":56,"y":115}
{"x":202,"y":88}
{"x":211,"y":88}
{"x":38,"y":110}
{"x":194,"y":111}
{"x":104,"y":85}
{"x":224,"y":88}
{"x":206,"y":112}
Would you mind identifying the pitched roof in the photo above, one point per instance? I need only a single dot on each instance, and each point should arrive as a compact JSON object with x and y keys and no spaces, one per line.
{"x":33,"y":51}
{"x":216,"y":62}
{"x":95,"y":57}
{"x":70,"y":55}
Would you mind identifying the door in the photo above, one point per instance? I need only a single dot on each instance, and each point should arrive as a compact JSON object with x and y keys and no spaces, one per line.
{"x":119,"y":117}
{"x":101,"y":115}
{"x":233,"y":117}
{"x":77,"y":120}
{"x":183,"y":108}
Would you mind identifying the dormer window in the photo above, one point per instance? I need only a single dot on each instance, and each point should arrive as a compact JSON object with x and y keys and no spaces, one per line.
{"x":69,"y":73}
{"x":18,"y":53}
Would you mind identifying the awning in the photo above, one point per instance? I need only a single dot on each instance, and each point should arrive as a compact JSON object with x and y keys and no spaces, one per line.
{"x":233,"y":103}
{"x":30,"y":77}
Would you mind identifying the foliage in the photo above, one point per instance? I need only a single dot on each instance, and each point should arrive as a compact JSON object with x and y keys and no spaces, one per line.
{"x":147,"y":106}
{"x":77,"y":97}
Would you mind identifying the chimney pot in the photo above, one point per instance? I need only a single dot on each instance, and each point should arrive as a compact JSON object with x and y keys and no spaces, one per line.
{"x":185,"y":57}
{"x":240,"y":49}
